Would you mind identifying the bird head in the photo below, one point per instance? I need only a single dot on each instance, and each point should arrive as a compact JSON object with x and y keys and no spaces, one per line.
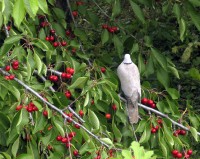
{"x":127,"y":59}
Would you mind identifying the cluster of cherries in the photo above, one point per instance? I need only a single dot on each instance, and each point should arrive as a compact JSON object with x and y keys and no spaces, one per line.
{"x":148,"y":102}
{"x":51,"y":38}
{"x":31,"y":107}
{"x":111,"y":29}
{"x":156,"y":128}
{"x":179,"y":132}
{"x":15,"y":66}
{"x":177,"y":154}
{"x":67,"y":141}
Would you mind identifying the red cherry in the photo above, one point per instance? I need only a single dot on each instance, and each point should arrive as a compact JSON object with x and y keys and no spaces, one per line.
{"x":35,"y":108}
{"x":114,"y":107}
{"x":7,"y":78}
{"x":29,"y":109}
{"x":11,"y":77}
{"x":153,"y":130}
{"x":71,"y":71}
{"x":189,"y":152}
{"x":55,"y":44}
{"x":73,"y":50}
{"x":55,"y":78}
{"x":45,"y":113}
{"x":108,"y":116}
{"x":63,"y":43}
{"x":63,"y":75}
{"x":19,"y":107}
{"x":51,"y":38}
{"x":68,"y":75}
{"x":79,"y":3}
{"x":115,"y":28}
{"x":7,"y":68}
{"x":72,"y":134}
{"x":70,"y":115}
{"x":75,"y":152}
{"x":52,"y":31}
{"x":110,"y":30}
{"x":174,"y":152}
{"x":98,"y":157}
{"x":51,"y":78}
{"x":15,"y":63}
{"x":8,"y":28}
{"x":68,"y":145}
{"x":104,"y":26}
{"x":182,"y":132}
{"x":81,"y":113}
{"x":157,"y":127}
{"x":43,"y":24}
{"x":179,"y":155}
{"x":103,"y":69}
{"x":64,"y":140}
{"x":77,"y":126}
{"x":68,"y":94}
{"x":68,"y":33}
{"x":153,"y":105}
{"x":68,"y":69}
{"x":47,"y":38}
{"x":159,"y":121}
{"x":75,"y":13}
{"x":92,"y":102}
{"x":150,"y":102}
{"x":49,"y":147}
{"x":15,"y":67}
{"x":144,"y":101}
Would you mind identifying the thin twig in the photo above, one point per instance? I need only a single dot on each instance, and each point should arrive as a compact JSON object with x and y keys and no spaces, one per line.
{"x":54,"y":107}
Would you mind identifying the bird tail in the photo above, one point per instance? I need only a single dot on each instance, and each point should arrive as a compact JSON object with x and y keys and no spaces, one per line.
{"x":132,"y":108}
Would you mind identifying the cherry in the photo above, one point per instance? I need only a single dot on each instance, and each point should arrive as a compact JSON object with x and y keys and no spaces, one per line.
{"x":104,"y":26}
{"x":50,"y":127}
{"x":7,"y":77}
{"x":157,"y":127}
{"x":150,"y":102}
{"x":114,"y":107}
{"x":45,"y":113}
{"x":68,"y":94}
{"x":81,"y":113}
{"x":47,"y":38}
{"x":64,"y":140}
{"x":35,"y":108}
{"x":189,"y":152}
{"x":68,"y":69}
{"x":55,"y":44}
{"x":63,"y":43}
{"x":15,"y":63}
{"x":51,"y":38}
{"x":115,"y":28}
{"x":159,"y":121}
{"x":75,"y":13}
{"x":153,"y":105}
{"x":92,"y":102}
{"x":72,"y":134}
{"x":64,"y":75}
{"x":7,"y":68}
{"x":15,"y":67}
{"x":79,"y":3}
{"x":108,"y":116}
{"x":153,"y":130}
{"x":174,"y":152}
{"x":68,"y":145}
{"x":110,"y":29}
{"x":8,"y":28}
{"x":29,"y":109}
{"x":68,"y":75}
{"x":11,"y":77}
{"x":182,"y":132}
{"x":55,"y":78}
{"x":68,"y":32}
{"x":179,"y":155}
{"x":103,"y":69}
{"x":19,"y":107}
{"x":49,"y":147}
{"x":75,"y":152}
{"x":52,"y":31}
{"x":71,"y":71}
{"x":77,"y":126}
{"x":144,"y":101}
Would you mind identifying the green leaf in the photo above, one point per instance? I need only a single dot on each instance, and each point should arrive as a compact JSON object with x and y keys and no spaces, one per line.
{"x":15,"y":147}
{"x":146,"y":134}
{"x":194,"y":133}
{"x":194,"y":15}
{"x":107,"y":141}
{"x":117,"y":132}
{"x":116,"y":8}
{"x":118,"y":44}
{"x":59,"y":127}
{"x":186,"y":54}
{"x":38,"y":62}
{"x":79,"y":83}
{"x":177,"y":11}
{"x":163,"y":146}
{"x":173,"y":93}
{"x":127,"y":154}
{"x":195,"y":2}
{"x":34,"y":6}
{"x":149,"y":66}
{"x":18,"y":12}
{"x":163,"y":77}
{"x":141,"y":65}
{"x":13,"y":39}
{"x":25,"y":156}
{"x":174,"y":71}
{"x":81,"y":34}
{"x":138,"y":12}
{"x":168,"y":135}
{"x":194,"y":73}
{"x":182,"y":28}
{"x":43,"y":6}
{"x":87,"y":99}
{"x":5,"y":49}
{"x":159,"y":58}
{"x":41,"y":122}
{"x":94,"y":121}
{"x":104,"y":36}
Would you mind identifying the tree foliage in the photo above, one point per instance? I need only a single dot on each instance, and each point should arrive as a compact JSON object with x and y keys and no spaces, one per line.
{"x":59,"y":60}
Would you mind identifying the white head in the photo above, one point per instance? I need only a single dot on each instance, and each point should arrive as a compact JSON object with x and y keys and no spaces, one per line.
{"x":127,"y":59}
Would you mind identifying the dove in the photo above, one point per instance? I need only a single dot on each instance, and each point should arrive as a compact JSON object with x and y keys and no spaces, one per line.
{"x":129,"y":77}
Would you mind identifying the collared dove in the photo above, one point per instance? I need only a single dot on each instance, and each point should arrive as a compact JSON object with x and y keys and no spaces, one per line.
{"x":129,"y":77}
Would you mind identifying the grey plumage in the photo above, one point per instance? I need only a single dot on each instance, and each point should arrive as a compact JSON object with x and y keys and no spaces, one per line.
{"x":129,"y":77}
